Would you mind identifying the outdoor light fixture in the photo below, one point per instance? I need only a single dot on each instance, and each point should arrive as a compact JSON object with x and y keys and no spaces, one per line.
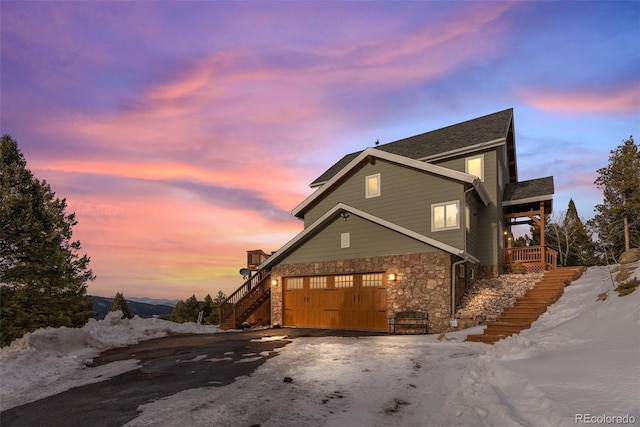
{"x":274,"y":282}
{"x":391,"y":277}
{"x":344,"y":215}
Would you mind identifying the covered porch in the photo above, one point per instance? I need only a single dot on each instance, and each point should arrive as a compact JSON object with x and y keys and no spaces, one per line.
{"x":527,"y":203}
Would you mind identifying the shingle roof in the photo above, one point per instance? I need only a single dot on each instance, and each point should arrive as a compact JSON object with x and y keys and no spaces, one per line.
{"x":523,"y":190}
{"x":451,"y":138}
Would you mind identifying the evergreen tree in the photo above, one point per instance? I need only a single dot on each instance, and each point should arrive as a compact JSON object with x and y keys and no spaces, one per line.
{"x":178,"y":313}
{"x":207,"y":309}
{"x":617,"y":221}
{"x":119,"y":303}
{"x":214,"y":315}
{"x":43,"y":279}
{"x":186,"y":311}
{"x":568,"y":235}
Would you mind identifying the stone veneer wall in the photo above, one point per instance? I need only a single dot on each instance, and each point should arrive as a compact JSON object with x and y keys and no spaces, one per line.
{"x":488,"y":272}
{"x":423,"y":282}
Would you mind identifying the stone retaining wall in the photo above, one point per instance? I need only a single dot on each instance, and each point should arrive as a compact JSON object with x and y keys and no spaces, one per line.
{"x":423,"y":282}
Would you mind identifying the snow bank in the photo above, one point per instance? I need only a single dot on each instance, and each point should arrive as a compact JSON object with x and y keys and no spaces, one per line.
{"x":37,"y":365}
{"x":581,"y":358}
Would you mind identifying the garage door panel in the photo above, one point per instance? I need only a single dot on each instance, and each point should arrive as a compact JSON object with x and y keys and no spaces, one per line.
{"x":345,"y":301}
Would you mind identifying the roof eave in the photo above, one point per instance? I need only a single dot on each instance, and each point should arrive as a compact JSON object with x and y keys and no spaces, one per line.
{"x":465,"y":150}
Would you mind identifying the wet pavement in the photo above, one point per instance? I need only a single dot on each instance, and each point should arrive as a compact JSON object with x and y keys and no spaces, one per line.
{"x":166,"y":366}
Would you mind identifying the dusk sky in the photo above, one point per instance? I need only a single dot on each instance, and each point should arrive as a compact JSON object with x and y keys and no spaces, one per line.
{"x":183,"y":133}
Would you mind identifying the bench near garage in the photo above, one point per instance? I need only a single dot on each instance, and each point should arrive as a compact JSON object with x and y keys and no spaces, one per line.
{"x":409,"y":322}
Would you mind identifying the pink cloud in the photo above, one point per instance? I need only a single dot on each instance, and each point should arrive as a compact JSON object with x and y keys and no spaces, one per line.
{"x":232,"y":119}
{"x":620,"y":100}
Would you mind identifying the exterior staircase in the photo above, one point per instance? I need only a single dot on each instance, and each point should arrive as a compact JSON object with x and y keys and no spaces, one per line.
{"x":529,"y":307}
{"x":237,"y":308}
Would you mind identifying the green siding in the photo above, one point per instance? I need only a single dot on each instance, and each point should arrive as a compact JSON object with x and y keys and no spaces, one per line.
{"x":472,"y":235}
{"x":367,"y":240}
{"x":485,"y":237}
{"x":406,"y":198}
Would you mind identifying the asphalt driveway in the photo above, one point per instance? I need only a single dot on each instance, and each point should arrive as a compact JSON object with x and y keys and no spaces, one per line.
{"x":162,"y":372}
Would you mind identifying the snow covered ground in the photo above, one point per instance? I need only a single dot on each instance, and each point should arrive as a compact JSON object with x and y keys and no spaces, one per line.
{"x":579,"y":363}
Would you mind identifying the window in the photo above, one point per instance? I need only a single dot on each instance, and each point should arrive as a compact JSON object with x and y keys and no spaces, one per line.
{"x":343,"y":281}
{"x":318,"y":282}
{"x":475,"y":166}
{"x":444,"y":216}
{"x":467,"y":217}
{"x":294,"y":283}
{"x":372,"y":279}
{"x":345,"y":240}
{"x":372,"y":186}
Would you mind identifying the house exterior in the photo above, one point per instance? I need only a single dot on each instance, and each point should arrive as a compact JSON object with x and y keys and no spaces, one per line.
{"x":407,"y":225}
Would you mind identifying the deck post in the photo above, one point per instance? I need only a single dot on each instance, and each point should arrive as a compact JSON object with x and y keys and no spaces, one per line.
{"x":544,"y":248}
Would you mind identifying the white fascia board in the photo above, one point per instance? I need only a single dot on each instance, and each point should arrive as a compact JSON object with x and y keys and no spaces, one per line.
{"x":384,"y":223}
{"x":308,"y":230}
{"x":465,"y":150}
{"x":457,"y":152}
{"x":528,"y":200}
{"x":406,"y":161}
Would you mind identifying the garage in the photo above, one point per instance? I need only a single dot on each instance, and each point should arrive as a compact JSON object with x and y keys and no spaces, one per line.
{"x":346,"y":301}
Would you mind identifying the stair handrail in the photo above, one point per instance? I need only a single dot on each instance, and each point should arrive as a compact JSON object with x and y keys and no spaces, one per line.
{"x":226,"y":307}
{"x":252,"y":299}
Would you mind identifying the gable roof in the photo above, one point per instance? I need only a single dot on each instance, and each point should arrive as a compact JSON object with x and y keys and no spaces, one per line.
{"x":482,"y":132}
{"x":531,"y":192}
{"x":398,"y":159}
{"x":334,"y":212}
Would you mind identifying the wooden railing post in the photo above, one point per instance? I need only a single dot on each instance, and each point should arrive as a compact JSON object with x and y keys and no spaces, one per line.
{"x":244,"y":297}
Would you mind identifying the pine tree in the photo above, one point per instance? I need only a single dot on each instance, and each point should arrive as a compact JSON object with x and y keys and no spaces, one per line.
{"x":178,"y":313}
{"x":617,"y":221}
{"x":186,"y":311}
{"x":567,"y":234}
{"x":42,"y":276}
{"x":208,"y":309}
{"x":119,"y":303}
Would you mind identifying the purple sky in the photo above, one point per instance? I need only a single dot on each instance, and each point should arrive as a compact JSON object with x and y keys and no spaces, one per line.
{"x":183,"y":133}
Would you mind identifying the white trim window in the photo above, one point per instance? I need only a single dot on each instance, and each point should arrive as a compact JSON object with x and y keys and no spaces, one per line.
{"x":467,"y":217}
{"x":372,"y":186}
{"x":475,"y":166}
{"x":445,"y":216}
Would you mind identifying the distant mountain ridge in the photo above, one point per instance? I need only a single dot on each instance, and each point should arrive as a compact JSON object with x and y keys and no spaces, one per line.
{"x":154,"y":301}
{"x":102,"y":306}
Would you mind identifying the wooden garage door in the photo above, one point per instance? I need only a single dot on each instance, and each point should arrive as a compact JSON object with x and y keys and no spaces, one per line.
{"x":350,"y":301}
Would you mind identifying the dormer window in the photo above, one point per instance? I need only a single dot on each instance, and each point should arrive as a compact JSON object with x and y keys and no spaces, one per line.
{"x":475,"y":166}
{"x":372,"y":186}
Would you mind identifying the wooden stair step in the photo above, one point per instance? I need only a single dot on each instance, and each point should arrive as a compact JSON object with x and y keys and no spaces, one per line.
{"x":518,"y":317}
{"x":488,"y":339}
{"x":524,"y":310}
{"x":508,"y":326}
{"x":505,"y":329}
{"x":539,"y":300}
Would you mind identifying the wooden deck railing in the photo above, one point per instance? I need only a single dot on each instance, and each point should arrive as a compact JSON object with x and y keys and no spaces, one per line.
{"x":535,"y":258}
{"x":235,"y":307}
{"x":255,"y":258}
